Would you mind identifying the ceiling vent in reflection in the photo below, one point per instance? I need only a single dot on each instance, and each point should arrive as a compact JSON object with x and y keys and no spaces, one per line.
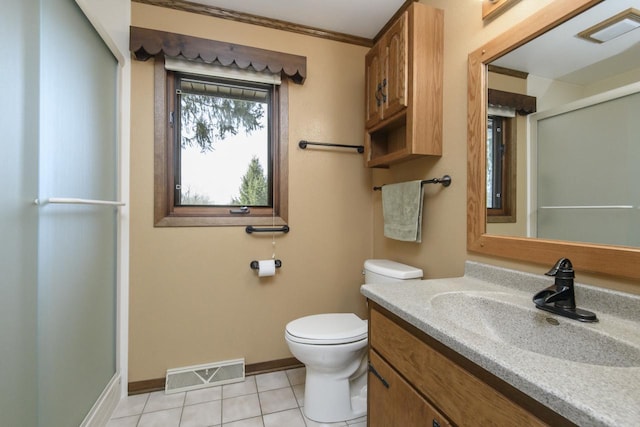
{"x":613,"y":27}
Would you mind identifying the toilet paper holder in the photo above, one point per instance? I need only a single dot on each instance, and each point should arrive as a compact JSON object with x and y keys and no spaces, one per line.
{"x":254,"y":264}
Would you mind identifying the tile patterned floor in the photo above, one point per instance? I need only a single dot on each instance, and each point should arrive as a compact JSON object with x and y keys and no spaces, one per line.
{"x":267,"y":400}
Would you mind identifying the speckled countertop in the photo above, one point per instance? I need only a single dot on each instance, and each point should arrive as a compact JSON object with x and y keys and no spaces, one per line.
{"x":601,"y":390}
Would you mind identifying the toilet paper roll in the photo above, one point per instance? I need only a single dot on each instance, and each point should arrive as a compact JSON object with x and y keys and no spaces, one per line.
{"x":266,"y":268}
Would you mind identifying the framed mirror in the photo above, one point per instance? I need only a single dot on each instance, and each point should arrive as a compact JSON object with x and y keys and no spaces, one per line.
{"x":615,"y":260}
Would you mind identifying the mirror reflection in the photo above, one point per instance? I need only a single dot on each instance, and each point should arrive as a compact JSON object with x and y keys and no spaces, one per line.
{"x":563,"y":138}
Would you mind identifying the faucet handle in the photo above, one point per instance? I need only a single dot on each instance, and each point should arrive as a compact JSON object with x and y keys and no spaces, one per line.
{"x":563,"y":269}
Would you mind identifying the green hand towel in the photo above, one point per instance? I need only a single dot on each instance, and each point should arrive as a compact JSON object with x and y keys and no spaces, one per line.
{"x":402,"y":211}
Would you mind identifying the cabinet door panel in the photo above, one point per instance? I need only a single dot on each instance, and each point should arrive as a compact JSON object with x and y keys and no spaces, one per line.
{"x":373,"y":96}
{"x":395,"y":70}
{"x":398,"y":404}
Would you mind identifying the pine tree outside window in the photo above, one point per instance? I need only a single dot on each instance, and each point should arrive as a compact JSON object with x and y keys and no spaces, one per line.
{"x":224,"y":151}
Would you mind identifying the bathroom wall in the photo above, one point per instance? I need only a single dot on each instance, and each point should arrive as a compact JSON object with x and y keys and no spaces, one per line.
{"x":443,"y":249}
{"x":193,"y":297}
{"x":626,"y":78}
{"x":442,"y":252}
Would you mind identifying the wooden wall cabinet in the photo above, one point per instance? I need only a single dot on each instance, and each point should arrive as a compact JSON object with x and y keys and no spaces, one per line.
{"x":403,"y":89}
{"x":431,"y":385}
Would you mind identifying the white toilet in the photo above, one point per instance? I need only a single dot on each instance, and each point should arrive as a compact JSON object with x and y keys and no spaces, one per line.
{"x":333,"y":348}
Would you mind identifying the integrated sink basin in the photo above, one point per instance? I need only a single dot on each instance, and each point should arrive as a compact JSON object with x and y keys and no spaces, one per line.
{"x":512,"y":319}
{"x":586,"y":372}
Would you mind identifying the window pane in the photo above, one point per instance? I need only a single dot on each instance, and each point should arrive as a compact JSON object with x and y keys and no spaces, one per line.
{"x":224,"y":150}
{"x":494,"y":162}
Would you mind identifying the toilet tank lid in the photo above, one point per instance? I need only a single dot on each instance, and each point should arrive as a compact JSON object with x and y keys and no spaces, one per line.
{"x":392,"y":269}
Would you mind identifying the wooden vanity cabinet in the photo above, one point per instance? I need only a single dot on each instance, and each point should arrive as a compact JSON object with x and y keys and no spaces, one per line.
{"x":395,"y":402}
{"x":431,"y":385}
{"x":403,"y":88}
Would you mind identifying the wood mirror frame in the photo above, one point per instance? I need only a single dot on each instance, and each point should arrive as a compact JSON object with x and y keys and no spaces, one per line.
{"x":611,"y":260}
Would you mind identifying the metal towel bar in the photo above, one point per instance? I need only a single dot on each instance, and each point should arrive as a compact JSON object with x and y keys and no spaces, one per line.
{"x":303,"y":144}
{"x":445,"y":181}
{"x":75,"y":201}
{"x":251,"y":229}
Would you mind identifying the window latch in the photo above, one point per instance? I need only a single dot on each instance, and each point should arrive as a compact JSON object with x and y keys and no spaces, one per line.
{"x":243,"y":210}
{"x":171,"y":118}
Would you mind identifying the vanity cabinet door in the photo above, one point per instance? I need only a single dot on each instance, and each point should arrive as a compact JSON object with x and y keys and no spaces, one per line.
{"x":465,"y":399}
{"x":394,"y":402}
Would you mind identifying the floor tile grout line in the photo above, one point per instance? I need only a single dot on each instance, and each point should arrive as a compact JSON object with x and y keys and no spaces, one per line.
{"x":260,"y":403}
{"x":184,"y":404}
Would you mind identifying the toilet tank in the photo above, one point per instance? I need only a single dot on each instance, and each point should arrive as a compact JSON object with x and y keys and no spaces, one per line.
{"x":387,"y":271}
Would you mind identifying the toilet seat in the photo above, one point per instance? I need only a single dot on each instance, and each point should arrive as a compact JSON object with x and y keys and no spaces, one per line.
{"x":327,"y":329}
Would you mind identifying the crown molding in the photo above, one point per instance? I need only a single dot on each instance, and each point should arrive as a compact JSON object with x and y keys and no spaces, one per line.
{"x":187,"y":6}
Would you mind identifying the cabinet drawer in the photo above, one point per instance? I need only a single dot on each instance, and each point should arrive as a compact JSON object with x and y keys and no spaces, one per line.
{"x":465,"y":399}
{"x":395,"y":403}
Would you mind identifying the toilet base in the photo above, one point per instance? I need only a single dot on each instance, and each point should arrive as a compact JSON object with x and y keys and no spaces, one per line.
{"x":328,"y":400}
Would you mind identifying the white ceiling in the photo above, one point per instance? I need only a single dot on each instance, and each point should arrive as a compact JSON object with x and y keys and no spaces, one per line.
{"x":560,"y":55}
{"x":362,"y":18}
{"x":557,"y":54}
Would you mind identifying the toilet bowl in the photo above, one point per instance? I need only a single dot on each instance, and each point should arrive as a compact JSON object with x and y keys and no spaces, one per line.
{"x":333,"y":348}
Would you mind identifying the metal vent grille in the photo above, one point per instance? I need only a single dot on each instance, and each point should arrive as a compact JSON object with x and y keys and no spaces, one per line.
{"x":201,"y":376}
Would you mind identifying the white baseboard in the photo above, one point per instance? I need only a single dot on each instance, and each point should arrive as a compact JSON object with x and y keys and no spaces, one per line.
{"x":101,"y":411}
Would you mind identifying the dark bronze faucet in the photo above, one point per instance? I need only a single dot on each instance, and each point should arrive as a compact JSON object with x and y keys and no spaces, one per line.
{"x":560,"y":298}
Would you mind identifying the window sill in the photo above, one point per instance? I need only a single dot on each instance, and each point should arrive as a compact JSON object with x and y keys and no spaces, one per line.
{"x":222,"y":221}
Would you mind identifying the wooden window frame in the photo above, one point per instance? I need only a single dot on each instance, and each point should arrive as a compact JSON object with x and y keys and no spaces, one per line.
{"x":166,"y":214}
{"x":147,"y":43}
{"x":523,"y":105}
{"x":507,"y":213}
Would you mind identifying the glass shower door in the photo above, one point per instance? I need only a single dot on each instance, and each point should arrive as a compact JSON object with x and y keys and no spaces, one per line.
{"x":76,"y":242}
{"x":18,"y":216}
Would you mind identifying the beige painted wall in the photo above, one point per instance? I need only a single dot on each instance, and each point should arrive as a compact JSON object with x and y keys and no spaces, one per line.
{"x":443,"y":251}
{"x":194,"y":298}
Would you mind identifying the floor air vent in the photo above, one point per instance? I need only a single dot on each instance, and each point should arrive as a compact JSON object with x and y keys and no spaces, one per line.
{"x":201,"y":376}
